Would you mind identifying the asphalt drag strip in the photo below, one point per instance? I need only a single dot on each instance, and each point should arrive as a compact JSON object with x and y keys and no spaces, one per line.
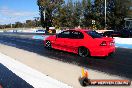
{"x":10,"y":69}
{"x":118,"y":64}
{"x":10,"y":80}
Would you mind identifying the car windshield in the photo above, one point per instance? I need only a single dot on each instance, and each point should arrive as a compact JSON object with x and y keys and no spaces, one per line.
{"x":94,"y":34}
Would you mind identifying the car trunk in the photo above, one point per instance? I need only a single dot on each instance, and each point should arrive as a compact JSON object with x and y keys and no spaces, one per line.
{"x":105,"y":41}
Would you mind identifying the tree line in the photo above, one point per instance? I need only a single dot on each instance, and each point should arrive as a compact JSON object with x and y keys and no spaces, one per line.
{"x":27,"y":24}
{"x":84,"y":13}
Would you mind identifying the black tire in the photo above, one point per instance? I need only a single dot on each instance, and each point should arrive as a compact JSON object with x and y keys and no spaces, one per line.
{"x":83,"y":52}
{"x":48,"y":44}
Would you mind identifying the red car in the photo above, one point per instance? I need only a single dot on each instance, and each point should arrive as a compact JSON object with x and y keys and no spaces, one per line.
{"x":82,"y":42}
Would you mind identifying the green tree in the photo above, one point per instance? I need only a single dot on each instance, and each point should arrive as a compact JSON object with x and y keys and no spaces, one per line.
{"x":77,"y":14}
{"x":18,"y":25}
{"x":88,"y":14}
{"x":99,"y":13}
{"x":50,"y":7}
{"x":117,"y":10}
{"x":69,"y":13}
{"x":60,"y":18}
{"x":30,"y":23}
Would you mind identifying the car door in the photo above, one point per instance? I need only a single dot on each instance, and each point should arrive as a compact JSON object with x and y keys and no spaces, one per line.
{"x":60,"y":40}
{"x":74,"y":41}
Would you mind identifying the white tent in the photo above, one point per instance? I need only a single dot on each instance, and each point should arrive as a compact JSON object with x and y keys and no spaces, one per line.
{"x":128,"y":22}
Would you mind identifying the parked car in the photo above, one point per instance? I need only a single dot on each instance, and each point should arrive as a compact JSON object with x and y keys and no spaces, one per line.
{"x":40,"y":31}
{"x":126,"y":32}
{"x":82,"y":42}
{"x":112,"y":33}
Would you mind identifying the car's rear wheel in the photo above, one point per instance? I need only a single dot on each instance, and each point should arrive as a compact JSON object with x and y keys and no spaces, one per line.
{"x":83,"y":52}
{"x":48,"y":44}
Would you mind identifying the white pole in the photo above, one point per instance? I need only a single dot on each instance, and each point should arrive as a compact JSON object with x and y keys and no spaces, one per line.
{"x":105,"y":12}
{"x":10,"y":22}
{"x":11,"y":25}
{"x":44,"y":15}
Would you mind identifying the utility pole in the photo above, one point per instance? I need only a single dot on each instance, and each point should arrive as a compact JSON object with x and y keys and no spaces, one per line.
{"x":105,"y":13}
{"x":44,"y":14}
{"x":45,"y":21}
{"x":10,"y":23}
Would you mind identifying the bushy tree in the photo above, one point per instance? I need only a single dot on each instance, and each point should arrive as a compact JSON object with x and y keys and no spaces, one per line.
{"x":117,"y":10}
{"x":50,"y":7}
{"x":82,"y":12}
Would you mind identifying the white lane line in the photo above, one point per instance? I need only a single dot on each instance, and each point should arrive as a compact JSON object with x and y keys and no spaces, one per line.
{"x":31,"y":76}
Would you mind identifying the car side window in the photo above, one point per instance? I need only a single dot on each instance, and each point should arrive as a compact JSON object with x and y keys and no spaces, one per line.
{"x":64,"y":34}
{"x":76,"y":35}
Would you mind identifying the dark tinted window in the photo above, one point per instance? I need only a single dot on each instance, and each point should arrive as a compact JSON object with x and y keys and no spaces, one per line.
{"x":64,"y":34}
{"x":76,"y":35}
{"x":94,"y":34}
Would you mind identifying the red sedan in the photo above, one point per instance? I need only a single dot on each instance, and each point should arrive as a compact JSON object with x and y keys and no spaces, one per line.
{"x":82,"y":42}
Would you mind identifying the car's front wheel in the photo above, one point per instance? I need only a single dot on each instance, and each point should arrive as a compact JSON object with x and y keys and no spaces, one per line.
{"x":48,"y":44}
{"x":83,"y":52}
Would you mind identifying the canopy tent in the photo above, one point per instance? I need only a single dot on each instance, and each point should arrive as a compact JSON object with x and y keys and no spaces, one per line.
{"x":128,"y":23}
